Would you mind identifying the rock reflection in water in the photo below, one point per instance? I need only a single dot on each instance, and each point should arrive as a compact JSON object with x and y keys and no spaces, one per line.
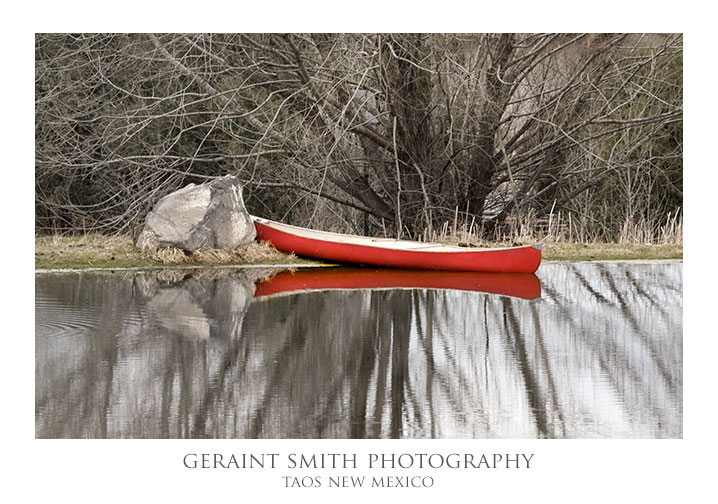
{"x":599,"y":355}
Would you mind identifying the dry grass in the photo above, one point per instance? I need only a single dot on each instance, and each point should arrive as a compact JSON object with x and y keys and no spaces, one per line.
{"x":90,"y":250}
{"x":250,"y":254}
{"x":561,"y":228}
{"x":100,"y":245}
{"x":98,"y":251}
{"x":564,"y":251}
{"x":671,"y":232}
{"x":565,"y":239}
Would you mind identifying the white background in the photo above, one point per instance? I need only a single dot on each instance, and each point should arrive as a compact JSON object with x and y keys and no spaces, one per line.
{"x":561,"y":470}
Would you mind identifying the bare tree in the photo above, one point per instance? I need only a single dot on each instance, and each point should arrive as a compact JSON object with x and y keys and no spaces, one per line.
{"x":410,"y":130}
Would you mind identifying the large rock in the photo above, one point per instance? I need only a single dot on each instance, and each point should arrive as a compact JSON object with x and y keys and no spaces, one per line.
{"x":205,"y":216}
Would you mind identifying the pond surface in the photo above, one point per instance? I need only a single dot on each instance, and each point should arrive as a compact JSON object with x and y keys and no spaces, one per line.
{"x":577,"y":351}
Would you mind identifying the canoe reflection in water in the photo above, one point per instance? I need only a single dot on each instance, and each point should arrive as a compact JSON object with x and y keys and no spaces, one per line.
{"x":225,"y":354}
{"x":522,"y":285}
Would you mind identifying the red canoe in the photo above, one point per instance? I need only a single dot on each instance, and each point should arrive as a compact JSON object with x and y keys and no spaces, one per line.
{"x":520,"y":285}
{"x":395,"y":253}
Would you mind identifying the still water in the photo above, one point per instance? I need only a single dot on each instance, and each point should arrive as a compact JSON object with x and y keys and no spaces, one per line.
{"x":577,"y":351}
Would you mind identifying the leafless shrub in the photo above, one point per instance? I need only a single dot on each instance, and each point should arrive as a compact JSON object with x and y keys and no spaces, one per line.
{"x":389,"y":132}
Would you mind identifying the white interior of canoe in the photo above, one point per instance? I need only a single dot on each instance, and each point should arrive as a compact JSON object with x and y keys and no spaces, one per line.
{"x":390,"y":243}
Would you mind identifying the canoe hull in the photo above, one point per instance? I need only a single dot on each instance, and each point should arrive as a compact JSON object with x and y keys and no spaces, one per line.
{"x":329,"y":247}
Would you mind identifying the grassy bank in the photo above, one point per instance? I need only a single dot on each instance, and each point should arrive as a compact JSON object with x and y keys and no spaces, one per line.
{"x":610,"y":251}
{"x":97,"y":251}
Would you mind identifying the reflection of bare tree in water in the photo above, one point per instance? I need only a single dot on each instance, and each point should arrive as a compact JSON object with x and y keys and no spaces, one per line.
{"x":80,"y":393}
{"x":600,"y":355}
